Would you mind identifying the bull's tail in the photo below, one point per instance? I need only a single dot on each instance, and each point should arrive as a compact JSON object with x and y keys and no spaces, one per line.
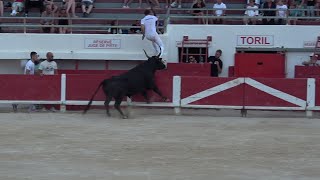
{"x":90,"y":102}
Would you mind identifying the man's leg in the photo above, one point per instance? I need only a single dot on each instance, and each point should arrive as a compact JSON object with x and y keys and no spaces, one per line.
{"x":26,"y":6}
{"x":159,"y":43}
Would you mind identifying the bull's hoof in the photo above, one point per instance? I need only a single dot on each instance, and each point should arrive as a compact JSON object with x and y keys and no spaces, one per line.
{"x":164,"y":99}
{"x":124,"y":117}
{"x":148,"y":102}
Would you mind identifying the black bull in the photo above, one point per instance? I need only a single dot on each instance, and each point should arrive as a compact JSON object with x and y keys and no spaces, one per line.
{"x":136,"y":81}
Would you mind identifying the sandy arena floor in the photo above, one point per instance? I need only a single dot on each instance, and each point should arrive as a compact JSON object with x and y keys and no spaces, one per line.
{"x":57,"y":146}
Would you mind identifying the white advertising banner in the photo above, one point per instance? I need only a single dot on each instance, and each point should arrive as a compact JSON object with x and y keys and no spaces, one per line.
{"x":102,"y":44}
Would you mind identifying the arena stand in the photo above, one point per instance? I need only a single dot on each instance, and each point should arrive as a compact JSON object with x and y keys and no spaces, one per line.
{"x":105,"y":11}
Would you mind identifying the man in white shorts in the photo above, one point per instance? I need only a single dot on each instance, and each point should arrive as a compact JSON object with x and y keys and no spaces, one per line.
{"x":149,"y":30}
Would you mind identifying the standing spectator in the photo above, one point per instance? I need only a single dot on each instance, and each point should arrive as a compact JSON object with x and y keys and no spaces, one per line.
{"x":252,"y":11}
{"x":71,"y":5}
{"x":192,"y":60}
{"x":176,"y":3}
{"x":17,"y":7}
{"x":313,"y":60}
{"x":272,"y":6}
{"x":199,"y":4}
{"x":47,"y":16}
{"x":281,"y":13}
{"x":311,"y":6}
{"x":1,"y":8}
{"x":33,"y":3}
{"x":63,"y":14}
{"x":48,"y":67}
{"x":127,"y":2}
{"x":220,"y":11}
{"x":29,"y":69}
{"x":256,"y":2}
{"x":317,"y":7}
{"x":86,"y":6}
{"x":216,"y":63}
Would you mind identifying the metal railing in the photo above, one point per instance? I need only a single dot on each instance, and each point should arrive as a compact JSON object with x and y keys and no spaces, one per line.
{"x":103,"y":24}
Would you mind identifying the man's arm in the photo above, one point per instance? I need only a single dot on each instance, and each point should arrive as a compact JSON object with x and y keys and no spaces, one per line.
{"x":142,"y":31}
{"x":219,"y":66}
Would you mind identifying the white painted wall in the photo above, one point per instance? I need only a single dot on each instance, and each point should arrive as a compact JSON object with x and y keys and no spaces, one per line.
{"x":71,"y":46}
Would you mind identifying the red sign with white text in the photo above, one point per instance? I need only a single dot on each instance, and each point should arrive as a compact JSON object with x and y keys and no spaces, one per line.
{"x":259,"y":40}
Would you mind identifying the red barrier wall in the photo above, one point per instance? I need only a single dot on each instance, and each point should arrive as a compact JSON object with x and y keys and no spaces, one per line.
{"x":193,"y":85}
{"x":307,"y":72}
{"x":317,"y":99}
{"x":259,"y":65}
{"x":28,"y":87}
{"x":294,"y":87}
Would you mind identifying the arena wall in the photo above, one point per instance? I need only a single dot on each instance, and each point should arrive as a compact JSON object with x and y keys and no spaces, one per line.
{"x":123,"y":51}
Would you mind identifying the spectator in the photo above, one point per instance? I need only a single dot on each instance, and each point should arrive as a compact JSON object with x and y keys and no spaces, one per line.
{"x":199,"y":4}
{"x":17,"y":7}
{"x":272,"y":6}
{"x":29,"y":69}
{"x":312,"y":61}
{"x":48,"y":67}
{"x":86,"y":6}
{"x":256,"y":2}
{"x":71,"y":5}
{"x":294,"y":12}
{"x":220,"y":6}
{"x":216,"y":63}
{"x":114,"y":30}
{"x":317,"y":7}
{"x":282,"y":12}
{"x":136,"y":30}
{"x":175,"y":4}
{"x":311,"y":6}
{"x":1,"y":8}
{"x":54,"y":7}
{"x":47,"y":16}
{"x":33,"y":3}
{"x":192,"y":60}
{"x":252,"y":11}
{"x":63,"y":14}
{"x":127,"y":2}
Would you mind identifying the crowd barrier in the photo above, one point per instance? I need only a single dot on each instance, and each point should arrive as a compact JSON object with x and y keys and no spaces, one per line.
{"x":182,"y":92}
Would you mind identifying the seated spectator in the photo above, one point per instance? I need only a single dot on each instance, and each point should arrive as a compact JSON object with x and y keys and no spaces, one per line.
{"x":252,"y":11}
{"x":176,"y":4}
{"x":17,"y":6}
{"x":127,"y":2}
{"x":192,"y":60}
{"x":199,"y":4}
{"x":216,"y":63}
{"x":317,"y":7}
{"x":272,"y":6}
{"x":256,"y":2}
{"x":54,"y":7}
{"x":86,"y":6}
{"x":136,"y":30}
{"x":219,"y":6}
{"x":281,"y":13}
{"x":33,"y":3}
{"x":294,"y":12}
{"x":312,"y":61}
{"x":71,"y":5}
{"x":63,"y":13}
{"x":311,"y":6}
{"x":1,"y":8}
{"x":114,"y":30}
{"x":47,"y":16}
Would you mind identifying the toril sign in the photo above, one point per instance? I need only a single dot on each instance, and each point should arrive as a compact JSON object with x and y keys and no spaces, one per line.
{"x":255,"y":40}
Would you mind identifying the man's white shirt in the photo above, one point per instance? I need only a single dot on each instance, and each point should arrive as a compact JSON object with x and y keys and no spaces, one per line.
{"x":149,"y":22}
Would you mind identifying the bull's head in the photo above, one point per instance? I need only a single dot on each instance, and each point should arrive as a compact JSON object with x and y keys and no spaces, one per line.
{"x":159,"y":62}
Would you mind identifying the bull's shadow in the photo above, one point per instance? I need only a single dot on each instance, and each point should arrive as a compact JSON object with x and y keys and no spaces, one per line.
{"x":138,"y":80}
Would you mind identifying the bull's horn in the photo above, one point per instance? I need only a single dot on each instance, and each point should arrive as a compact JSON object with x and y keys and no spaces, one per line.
{"x":159,"y":52}
{"x":146,"y":54}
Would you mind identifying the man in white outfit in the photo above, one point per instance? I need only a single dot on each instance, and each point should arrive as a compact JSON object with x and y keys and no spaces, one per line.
{"x":149,"y":30}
